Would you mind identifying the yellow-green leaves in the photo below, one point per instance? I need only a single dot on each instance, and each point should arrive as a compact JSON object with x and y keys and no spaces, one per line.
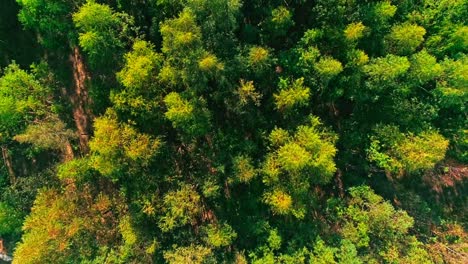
{"x":369,"y":220}
{"x":194,"y":254}
{"x":180,"y":34}
{"x":247,"y":93}
{"x":405,"y":38}
{"x":244,"y":170}
{"x":115,"y":145}
{"x":279,"y":21}
{"x":281,"y":17}
{"x":400,"y":153}
{"x":354,"y":31}
{"x":291,"y":94}
{"x":387,"y":68}
{"x":69,"y":225}
{"x":424,"y":67}
{"x":258,"y":57}
{"x":294,"y":163}
{"x":278,"y":137}
{"x":141,"y":93}
{"x":308,"y":148}
{"x":181,"y":207}
{"x":219,"y":235}
{"x":358,"y":58}
{"x":210,"y":63}
{"x":141,"y":66}
{"x":384,"y":10}
{"x":293,"y":157}
{"x":128,"y":233}
{"x":190,"y":117}
{"x":179,"y":110}
{"x":423,"y":151}
{"x":328,"y":68}
{"x":187,"y":62}
{"x":101,"y":31}
{"x":279,"y":201}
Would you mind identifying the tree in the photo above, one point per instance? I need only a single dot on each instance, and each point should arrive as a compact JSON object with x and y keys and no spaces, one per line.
{"x":117,"y":147}
{"x":291,"y":94}
{"x":404,"y":39}
{"x":379,"y":232}
{"x":399,"y":153}
{"x":102,"y":32}
{"x":141,"y":94}
{"x":51,"y":19}
{"x":68,"y":225}
{"x":295,"y":162}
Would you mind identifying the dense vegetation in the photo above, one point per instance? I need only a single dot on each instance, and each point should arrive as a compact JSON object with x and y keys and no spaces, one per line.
{"x":234,"y":131}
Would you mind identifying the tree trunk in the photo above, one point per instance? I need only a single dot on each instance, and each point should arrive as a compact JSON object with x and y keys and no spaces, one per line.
{"x":80,"y":99}
{"x":3,"y":255}
{"x":339,"y":182}
{"x":68,"y":151}
{"x":8,"y":164}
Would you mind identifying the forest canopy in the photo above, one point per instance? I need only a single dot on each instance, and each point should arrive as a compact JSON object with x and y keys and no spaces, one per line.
{"x":234,"y":131}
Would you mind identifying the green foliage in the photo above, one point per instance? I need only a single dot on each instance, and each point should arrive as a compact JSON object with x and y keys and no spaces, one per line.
{"x":190,"y":118}
{"x":293,"y":157}
{"x":422,"y":151}
{"x":244,"y":170}
{"x":47,"y":135}
{"x":116,"y":146}
{"x":328,"y":68}
{"x":183,"y":50}
{"x":77,"y":169}
{"x":237,"y":91}
{"x":50,"y":18}
{"x":323,"y":254}
{"x":139,"y":78}
{"x":219,"y":235}
{"x":22,"y":99}
{"x":387,"y":68}
{"x":308,"y":149}
{"x":181,"y":207}
{"x":195,"y":254}
{"x":404,"y":39}
{"x":10,"y":220}
{"x":247,"y":92}
{"x":291,"y":94}
{"x":399,"y":153}
{"x":65,"y":227}
{"x":384,"y":10}
{"x":218,"y":22}
{"x":424,"y":67}
{"x":347,"y":253}
{"x":102,"y":31}
{"x":358,"y":58}
{"x":141,"y":66}
{"x":295,"y":162}
{"x":180,"y":34}
{"x":354,"y":31}
{"x":279,"y":21}
{"x":369,"y":221}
